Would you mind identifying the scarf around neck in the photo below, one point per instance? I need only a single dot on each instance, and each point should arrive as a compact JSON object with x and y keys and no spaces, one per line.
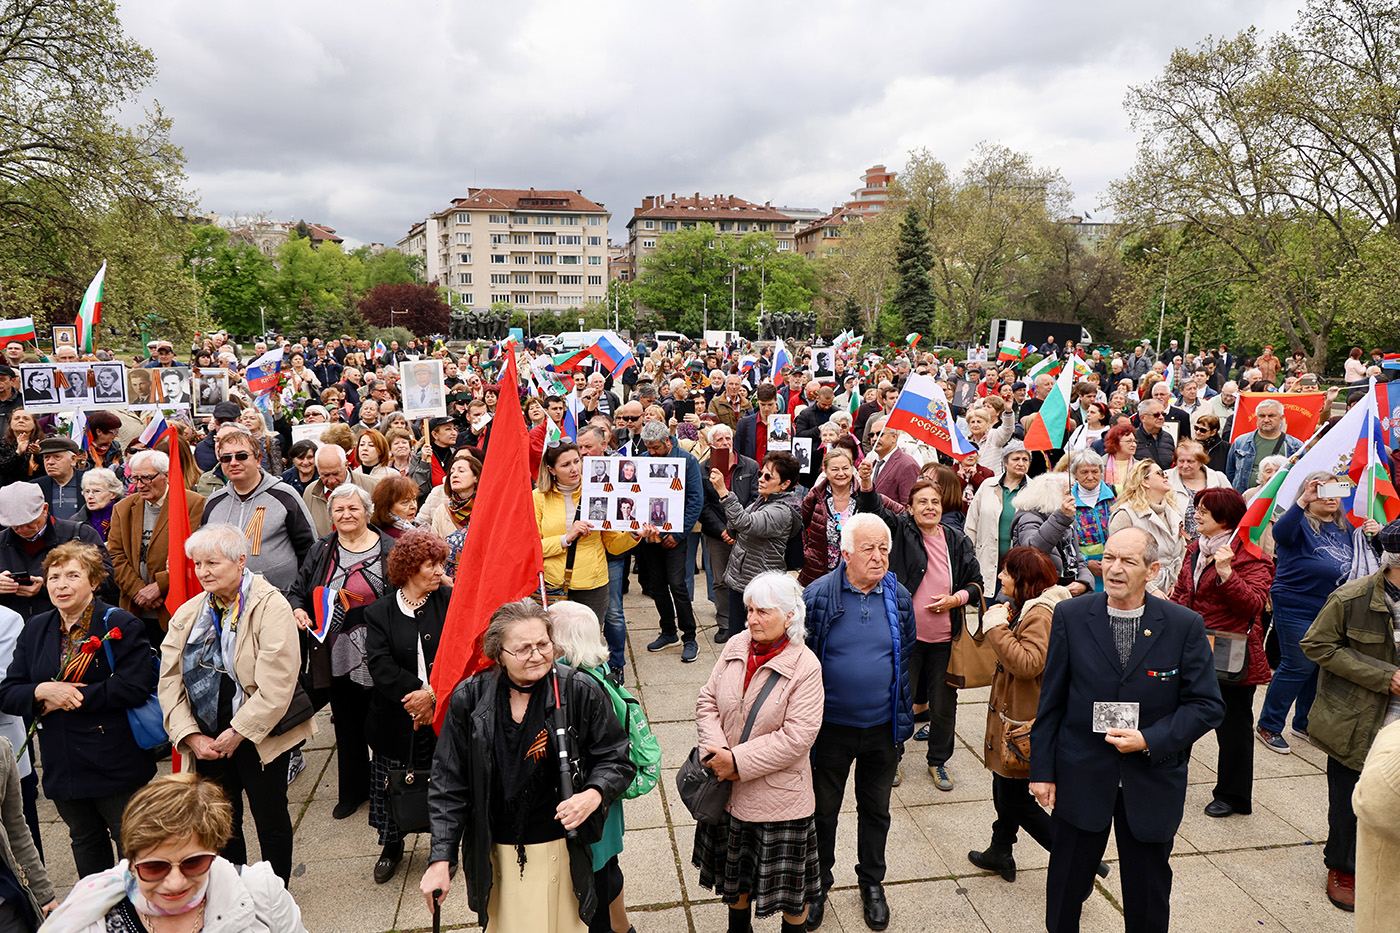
{"x":524,"y":760}
{"x":138,"y":900}
{"x":760,"y":654}
{"x":461,"y":507}
{"x":1207,"y":548}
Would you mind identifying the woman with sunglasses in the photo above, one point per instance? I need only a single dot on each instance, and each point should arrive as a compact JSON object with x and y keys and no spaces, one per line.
{"x":228,"y":674}
{"x":174,"y":880}
{"x":1205,"y":428}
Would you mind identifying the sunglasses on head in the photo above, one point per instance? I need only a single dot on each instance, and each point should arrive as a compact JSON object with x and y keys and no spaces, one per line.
{"x":240,"y":456}
{"x":156,"y":869}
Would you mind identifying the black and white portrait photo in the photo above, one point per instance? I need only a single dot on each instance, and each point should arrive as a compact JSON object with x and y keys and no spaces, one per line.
{"x":174,"y":387}
{"x":73,"y":384}
{"x":802,"y":450}
{"x":824,"y":364}
{"x":626,"y":509}
{"x":600,"y":472}
{"x":211,"y":388}
{"x":140,"y":390}
{"x":597,"y":509}
{"x":663,"y":470}
{"x":40,"y":386}
{"x":109,"y":384}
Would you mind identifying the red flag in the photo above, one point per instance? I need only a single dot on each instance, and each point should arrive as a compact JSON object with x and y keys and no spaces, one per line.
{"x":183,"y":584}
{"x":1302,"y":412}
{"x":501,"y":559}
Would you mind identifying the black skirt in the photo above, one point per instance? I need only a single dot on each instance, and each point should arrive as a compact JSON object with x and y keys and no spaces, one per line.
{"x":775,"y":863}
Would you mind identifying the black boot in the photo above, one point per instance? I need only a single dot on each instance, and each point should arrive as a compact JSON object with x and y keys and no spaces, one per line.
{"x":739,"y":920}
{"x":388,"y":862}
{"x":793,"y":927}
{"x":995,"y":858}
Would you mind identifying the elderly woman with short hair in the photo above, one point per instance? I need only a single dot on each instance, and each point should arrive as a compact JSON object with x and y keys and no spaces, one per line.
{"x":500,"y":802}
{"x":228,"y":676}
{"x":762,"y":855}
{"x":351,"y":562}
{"x":62,"y":674}
{"x":101,"y":490}
{"x":1093,"y":507}
{"x":1190,"y":477}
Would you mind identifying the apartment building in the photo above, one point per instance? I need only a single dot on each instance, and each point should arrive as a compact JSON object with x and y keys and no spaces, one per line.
{"x":870,"y":197}
{"x":823,"y":238}
{"x":538,"y":250}
{"x":660,"y":215}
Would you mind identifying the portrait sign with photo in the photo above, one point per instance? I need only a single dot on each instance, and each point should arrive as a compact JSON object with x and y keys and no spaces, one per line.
{"x":824,"y":364}
{"x":141,"y":389}
{"x":210,"y":388}
{"x":39,"y":384}
{"x":172,"y":387}
{"x":65,"y":335}
{"x":802,"y":450}
{"x":73,"y":388}
{"x":623,"y":493}
{"x":50,"y":387}
{"x":964,"y":394}
{"x":109,"y":385}
{"x":421,"y":384}
{"x":780,"y":432}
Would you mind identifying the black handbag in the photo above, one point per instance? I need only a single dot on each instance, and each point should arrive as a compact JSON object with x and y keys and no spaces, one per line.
{"x":704,"y":794}
{"x":408,"y":793}
{"x":299,"y":710}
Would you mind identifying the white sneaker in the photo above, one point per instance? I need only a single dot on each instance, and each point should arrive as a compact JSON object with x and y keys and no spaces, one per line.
{"x":295,"y":766}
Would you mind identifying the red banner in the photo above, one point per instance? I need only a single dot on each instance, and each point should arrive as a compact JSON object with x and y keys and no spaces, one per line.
{"x":1302,"y":411}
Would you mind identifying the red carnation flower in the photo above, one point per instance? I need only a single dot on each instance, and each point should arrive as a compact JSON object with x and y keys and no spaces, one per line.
{"x":91,"y":645}
{"x":115,"y":634}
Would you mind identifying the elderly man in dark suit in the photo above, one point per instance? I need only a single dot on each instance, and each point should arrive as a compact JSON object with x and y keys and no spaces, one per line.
{"x":895,"y":471}
{"x":1121,"y":647}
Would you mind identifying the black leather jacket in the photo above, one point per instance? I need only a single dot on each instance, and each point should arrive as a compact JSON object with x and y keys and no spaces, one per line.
{"x":464,"y":767}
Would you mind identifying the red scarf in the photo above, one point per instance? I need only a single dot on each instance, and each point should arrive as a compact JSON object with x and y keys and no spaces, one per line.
{"x":760,"y":655}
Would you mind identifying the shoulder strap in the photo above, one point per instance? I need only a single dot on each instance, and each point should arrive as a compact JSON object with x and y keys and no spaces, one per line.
{"x":106,"y":643}
{"x":768,"y":686}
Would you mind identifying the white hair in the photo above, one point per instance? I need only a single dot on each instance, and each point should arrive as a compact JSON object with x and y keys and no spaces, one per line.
{"x":217,"y":539}
{"x":577,"y":634}
{"x":336,"y":451}
{"x":1083,"y":458}
{"x":348,"y":488}
{"x":101,"y":476}
{"x":154,"y":458}
{"x":1277,"y":461}
{"x":1272,"y":403}
{"x":775,"y":590}
{"x":857,"y":522}
{"x":676,"y":384}
{"x":1043,"y":494}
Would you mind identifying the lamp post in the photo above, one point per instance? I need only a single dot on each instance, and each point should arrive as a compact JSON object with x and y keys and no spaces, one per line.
{"x":1162,"y":315}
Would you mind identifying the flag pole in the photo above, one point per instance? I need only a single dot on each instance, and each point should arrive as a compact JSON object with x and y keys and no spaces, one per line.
{"x":1292,"y":461}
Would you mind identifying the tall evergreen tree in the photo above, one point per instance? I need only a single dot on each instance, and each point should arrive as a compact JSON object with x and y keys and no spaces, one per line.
{"x":851,"y":318}
{"x":913,"y":294}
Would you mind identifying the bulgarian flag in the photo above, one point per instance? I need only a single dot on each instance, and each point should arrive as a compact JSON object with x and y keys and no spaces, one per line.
{"x":1256,"y":517}
{"x":1047,"y":428}
{"x":20,"y":328}
{"x":90,"y":314}
{"x":912,"y":340}
{"x":1011,"y":350}
{"x":1050,"y":366}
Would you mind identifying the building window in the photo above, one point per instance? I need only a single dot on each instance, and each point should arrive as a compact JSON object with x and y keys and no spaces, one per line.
{"x":570,"y":260}
{"x":595,"y":280}
{"x":648,"y":244}
{"x":784,"y":228}
{"x":544,"y":278}
{"x":762,"y":228}
{"x":570,"y":280}
{"x":545,"y":220}
{"x":624,"y":275}
{"x":500,"y":239}
{"x":500,"y":219}
{"x":595,"y":221}
{"x":595,"y":241}
{"x":464,"y":278}
{"x":571,"y":299}
{"x":521,"y":298}
{"x":466,"y":297}
{"x":544,"y":259}
{"x":522,"y":278}
{"x":649,"y":225}
{"x":784,"y":245}
{"x":464,"y":239}
{"x":464,"y":217}
{"x":743,"y":228}
{"x":498,"y":259}
{"x":571,"y":241}
{"x":500,"y":278}
{"x":568,"y":220}
{"x":464,"y":258}
{"x":544,"y":239}
{"x":523,"y":260}
{"x":496,"y":298}
{"x":520,"y":239}
{"x":668,"y":226}
{"x":595,"y":260}
{"x":545,"y":299}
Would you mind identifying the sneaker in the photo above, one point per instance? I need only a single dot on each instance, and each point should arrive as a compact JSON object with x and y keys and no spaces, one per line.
{"x":921,"y":735}
{"x":663,"y":641}
{"x":295,"y":766}
{"x":898,"y":777}
{"x":941,"y":780}
{"x":615,"y":676}
{"x":721,"y":636}
{"x":1272,"y":741}
{"x":690,"y":652}
{"x":1300,"y":733}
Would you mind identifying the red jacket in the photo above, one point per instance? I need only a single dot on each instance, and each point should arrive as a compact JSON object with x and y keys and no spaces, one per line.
{"x":814,"y":516}
{"x":1230,"y":606}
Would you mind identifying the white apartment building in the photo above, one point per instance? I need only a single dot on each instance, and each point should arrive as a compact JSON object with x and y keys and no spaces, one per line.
{"x":538,"y":250}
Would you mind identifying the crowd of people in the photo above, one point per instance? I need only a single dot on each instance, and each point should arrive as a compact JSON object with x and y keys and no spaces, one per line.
{"x":1101,"y":590}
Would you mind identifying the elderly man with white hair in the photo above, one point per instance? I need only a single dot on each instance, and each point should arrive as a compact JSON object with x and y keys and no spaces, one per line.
{"x":332,"y":469}
{"x":1248,"y":451}
{"x":140,"y":537}
{"x":860,"y":624}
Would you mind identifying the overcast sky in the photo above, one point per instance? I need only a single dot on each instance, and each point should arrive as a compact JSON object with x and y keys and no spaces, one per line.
{"x":366,"y":116}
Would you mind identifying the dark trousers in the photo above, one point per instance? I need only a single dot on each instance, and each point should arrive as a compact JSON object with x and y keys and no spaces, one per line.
{"x":350,"y":706}
{"x":607,"y":882}
{"x":1144,"y":868}
{"x":16,"y":918}
{"x":29,"y":793}
{"x":666,"y":573}
{"x":738,"y":612}
{"x":1234,"y":765}
{"x":595,"y":598}
{"x":94,"y":825}
{"x":1017,"y":809}
{"x":873,"y":751}
{"x":928,"y":678}
{"x":243,"y":773}
{"x":1340,"y":851}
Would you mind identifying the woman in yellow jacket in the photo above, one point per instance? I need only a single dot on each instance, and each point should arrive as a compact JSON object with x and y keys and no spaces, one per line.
{"x":575,"y":549}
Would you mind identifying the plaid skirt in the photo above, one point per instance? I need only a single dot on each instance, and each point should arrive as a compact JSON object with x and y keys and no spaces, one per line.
{"x":775,"y":863}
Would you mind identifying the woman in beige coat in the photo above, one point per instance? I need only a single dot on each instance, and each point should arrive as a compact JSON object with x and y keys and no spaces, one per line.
{"x":763,"y":854}
{"x":991,"y":537}
{"x":1147,"y":502}
{"x":228,"y":676}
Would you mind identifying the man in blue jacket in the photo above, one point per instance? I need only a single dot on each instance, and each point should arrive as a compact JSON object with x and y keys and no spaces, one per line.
{"x":860,"y":624}
{"x":1150,"y":659}
{"x":666,"y":551}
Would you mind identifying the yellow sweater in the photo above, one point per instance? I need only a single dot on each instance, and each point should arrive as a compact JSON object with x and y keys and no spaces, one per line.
{"x":591,"y":556}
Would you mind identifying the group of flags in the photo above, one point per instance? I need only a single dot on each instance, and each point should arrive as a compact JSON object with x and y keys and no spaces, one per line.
{"x":612,"y":352}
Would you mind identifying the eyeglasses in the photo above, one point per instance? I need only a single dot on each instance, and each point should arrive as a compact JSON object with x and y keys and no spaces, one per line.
{"x":229,"y":458}
{"x":157,"y":869}
{"x":628,"y":419}
{"x":140,"y":480}
{"x":544,"y":649}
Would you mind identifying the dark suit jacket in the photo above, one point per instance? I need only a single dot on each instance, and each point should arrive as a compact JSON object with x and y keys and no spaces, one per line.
{"x":746,"y":436}
{"x":897,"y":476}
{"x":1171,"y":674}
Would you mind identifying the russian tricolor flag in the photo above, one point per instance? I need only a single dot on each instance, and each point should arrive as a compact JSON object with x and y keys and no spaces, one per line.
{"x":780,"y":359}
{"x":262,"y":372}
{"x":613,"y":352}
{"x":154,"y":430}
{"x":323,"y":610}
{"x":922,"y":411}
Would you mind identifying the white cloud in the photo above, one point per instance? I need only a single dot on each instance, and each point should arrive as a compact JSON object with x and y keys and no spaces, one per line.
{"x":365,"y":116}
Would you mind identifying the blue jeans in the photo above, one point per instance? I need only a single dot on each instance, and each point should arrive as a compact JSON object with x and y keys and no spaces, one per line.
{"x":615,"y":623}
{"x":1295,"y":681}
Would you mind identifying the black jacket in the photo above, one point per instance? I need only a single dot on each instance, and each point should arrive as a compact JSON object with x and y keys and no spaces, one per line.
{"x":314,"y":568}
{"x":464,"y":767}
{"x":89,"y":751}
{"x":909,"y":559}
{"x":15,"y":559}
{"x":744,"y":486}
{"x":392,"y":650}
{"x":809,"y":421}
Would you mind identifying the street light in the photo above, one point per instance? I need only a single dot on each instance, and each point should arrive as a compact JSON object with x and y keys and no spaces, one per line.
{"x":1162,"y":315}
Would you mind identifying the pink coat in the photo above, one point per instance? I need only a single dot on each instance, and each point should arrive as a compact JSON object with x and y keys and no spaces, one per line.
{"x":775,"y":771}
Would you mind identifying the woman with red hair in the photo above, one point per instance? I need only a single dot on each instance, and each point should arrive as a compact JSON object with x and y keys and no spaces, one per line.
{"x":1119,"y":446}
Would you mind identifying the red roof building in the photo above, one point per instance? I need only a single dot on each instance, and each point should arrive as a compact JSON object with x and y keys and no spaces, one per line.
{"x":660,"y":215}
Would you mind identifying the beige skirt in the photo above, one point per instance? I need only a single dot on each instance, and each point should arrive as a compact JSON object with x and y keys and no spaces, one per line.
{"x":542,"y":901}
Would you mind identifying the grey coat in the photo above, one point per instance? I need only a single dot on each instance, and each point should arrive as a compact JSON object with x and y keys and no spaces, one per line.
{"x":16,"y":844}
{"x":761,"y":534}
{"x":1054,"y":536}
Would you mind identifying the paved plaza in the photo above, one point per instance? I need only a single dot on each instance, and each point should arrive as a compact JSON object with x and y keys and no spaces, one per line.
{"x":1259,"y":873}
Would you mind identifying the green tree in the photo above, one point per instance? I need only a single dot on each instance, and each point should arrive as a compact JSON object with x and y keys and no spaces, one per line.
{"x":235,"y":281}
{"x":913,"y":297}
{"x":851,"y":318}
{"x":387,"y":267}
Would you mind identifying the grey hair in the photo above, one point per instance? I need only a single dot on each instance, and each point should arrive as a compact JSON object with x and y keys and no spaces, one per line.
{"x":843,"y":417}
{"x":654,"y":431}
{"x":1085,"y":457}
{"x":219,"y":539}
{"x":578,"y":636}
{"x":348,"y":488}
{"x":775,"y":590}
{"x":101,"y":476}
{"x":1390,"y":559}
{"x":857,"y":522}
{"x":158,"y":461}
{"x":1043,"y":494}
{"x":594,"y":429}
{"x":335,"y":451}
{"x":1272,"y":403}
{"x":1277,"y":461}
{"x":676,"y":383}
{"x":720,"y":428}
{"x":507,"y":616}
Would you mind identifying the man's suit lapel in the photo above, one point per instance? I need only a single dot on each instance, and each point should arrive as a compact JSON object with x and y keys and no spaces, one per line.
{"x":1103,"y":636}
{"x":1148,"y":632}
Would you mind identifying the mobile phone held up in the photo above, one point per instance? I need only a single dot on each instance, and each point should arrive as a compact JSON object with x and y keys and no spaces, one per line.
{"x":1332,"y":490}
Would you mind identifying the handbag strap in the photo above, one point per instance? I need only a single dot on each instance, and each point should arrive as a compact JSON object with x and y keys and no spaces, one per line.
{"x":768,"y":686}
{"x":106,"y":643}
